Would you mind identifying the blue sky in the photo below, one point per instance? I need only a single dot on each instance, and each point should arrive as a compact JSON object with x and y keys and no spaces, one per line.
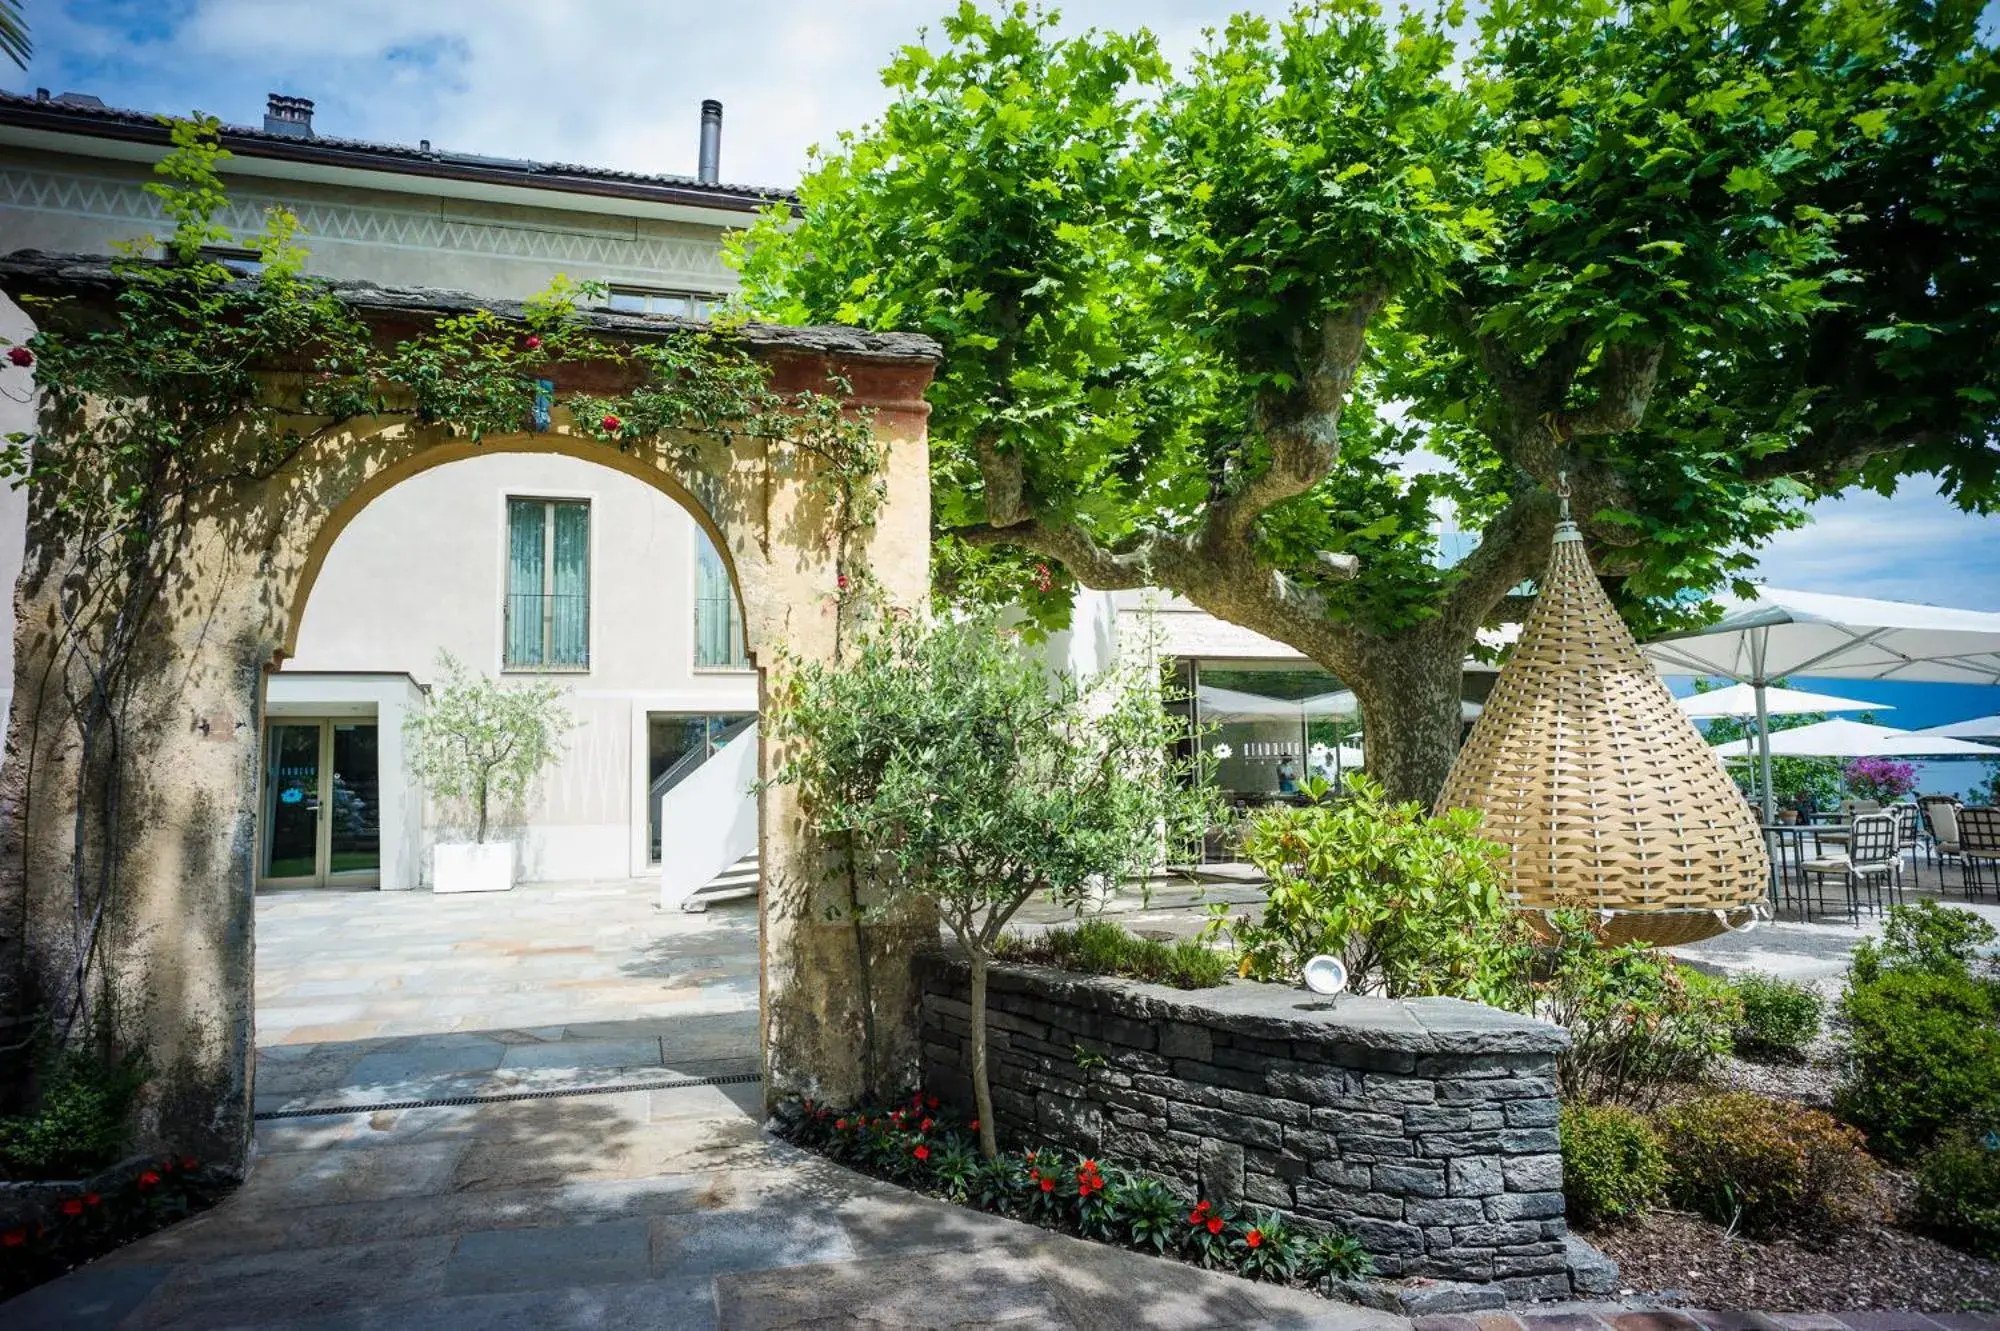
{"x":618,"y":83}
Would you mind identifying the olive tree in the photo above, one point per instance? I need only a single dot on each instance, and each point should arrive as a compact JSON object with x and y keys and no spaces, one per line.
{"x":946,"y":764}
{"x":479,"y":741}
{"x":1251,"y":328}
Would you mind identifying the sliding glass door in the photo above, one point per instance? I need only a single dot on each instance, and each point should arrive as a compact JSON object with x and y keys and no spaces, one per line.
{"x":321,"y":817}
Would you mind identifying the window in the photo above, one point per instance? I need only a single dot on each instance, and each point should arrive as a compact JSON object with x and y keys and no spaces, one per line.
{"x":548,"y":585}
{"x":662,"y":300}
{"x":718,"y":622}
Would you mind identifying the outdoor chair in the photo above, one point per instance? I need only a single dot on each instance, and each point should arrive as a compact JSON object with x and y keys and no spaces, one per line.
{"x":1909,"y":834}
{"x":1979,"y":847}
{"x":1943,"y":811}
{"x":1873,"y":861}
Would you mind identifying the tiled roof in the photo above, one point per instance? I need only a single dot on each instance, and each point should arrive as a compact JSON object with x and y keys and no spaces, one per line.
{"x":67,"y":114}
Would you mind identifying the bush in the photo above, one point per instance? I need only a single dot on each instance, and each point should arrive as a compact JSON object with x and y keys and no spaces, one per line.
{"x":1780,"y":1017}
{"x":1927,"y":937}
{"x":1923,"y":1056}
{"x":1765,"y":1165}
{"x":1613,"y":1168}
{"x":1335,"y":1257}
{"x":1958,"y":1193}
{"x":1102,"y":947}
{"x":78,"y":1124}
{"x":1638,"y":1022}
{"x":1411,"y":902}
{"x":79,"y":1229}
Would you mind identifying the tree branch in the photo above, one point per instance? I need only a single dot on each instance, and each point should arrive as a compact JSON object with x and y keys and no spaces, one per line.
{"x":1623,"y":379}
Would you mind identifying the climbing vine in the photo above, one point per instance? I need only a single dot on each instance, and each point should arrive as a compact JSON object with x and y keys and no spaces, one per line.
{"x":200,"y":378}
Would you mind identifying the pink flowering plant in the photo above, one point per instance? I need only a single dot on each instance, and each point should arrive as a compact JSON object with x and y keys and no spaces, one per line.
{"x":1883,"y":780}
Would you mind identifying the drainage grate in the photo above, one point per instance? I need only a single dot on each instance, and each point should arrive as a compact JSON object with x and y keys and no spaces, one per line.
{"x":555,"y":1093}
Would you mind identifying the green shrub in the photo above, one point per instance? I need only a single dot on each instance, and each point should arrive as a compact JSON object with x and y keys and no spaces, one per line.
{"x":1613,"y":1168}
{"x":1923,"y":1056}
{"x":1958,"y":1192}
{"x":1927,"y":937}
{"x":1638,"y":1022}
{"x":1102,"y":947}
{"x":1766,"y":1165}
{"x":78,"y":1123}
{"x":1411,"y":902}
{"x":1780,"y":1017}
{"x":1335,"y":1257}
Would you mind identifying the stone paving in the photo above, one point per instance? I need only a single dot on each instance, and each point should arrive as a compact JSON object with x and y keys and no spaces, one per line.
{"x":1620,"y":1317}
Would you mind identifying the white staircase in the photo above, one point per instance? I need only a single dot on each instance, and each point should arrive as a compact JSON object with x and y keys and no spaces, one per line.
{"x":708,"y":829}
{"x":739,"y":880}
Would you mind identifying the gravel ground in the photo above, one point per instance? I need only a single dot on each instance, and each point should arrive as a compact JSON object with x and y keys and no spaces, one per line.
{"x":1685,"y":1260}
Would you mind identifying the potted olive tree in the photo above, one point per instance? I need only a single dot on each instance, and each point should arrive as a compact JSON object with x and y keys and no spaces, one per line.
{"x":477,"y":743}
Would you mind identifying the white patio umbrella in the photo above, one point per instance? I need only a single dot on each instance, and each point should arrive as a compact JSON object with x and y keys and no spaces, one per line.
{"x":1841,"y":738}
{"x":1740,"y":700}
{"x":1342,"y":702}
{"x":1781,"y":632}
{"x":1979,"y":727}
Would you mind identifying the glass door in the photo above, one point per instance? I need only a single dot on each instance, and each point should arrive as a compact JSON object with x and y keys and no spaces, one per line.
{"x":321,"y":813}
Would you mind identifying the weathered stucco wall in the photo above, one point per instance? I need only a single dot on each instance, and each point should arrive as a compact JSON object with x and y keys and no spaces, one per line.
{"x":1425,"y":1127}
{"x":178,"y":939}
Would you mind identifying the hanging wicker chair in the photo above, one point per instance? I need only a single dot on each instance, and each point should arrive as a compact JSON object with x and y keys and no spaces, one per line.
{"x":1600,"y":789}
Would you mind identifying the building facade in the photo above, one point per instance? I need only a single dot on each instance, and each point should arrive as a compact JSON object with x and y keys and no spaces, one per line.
{"x":516,"y":565}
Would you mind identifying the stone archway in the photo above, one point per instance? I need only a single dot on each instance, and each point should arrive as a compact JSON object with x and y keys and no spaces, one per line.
{"x":180,"y":944}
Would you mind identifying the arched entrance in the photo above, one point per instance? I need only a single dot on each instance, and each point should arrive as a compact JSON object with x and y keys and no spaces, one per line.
{"x":179,"y":944}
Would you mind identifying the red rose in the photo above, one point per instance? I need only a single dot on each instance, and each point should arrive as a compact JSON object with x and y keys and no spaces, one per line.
{"x":531,"y":342}
{"x":21,"y":356}
{"x":1255,"y":1238}
{"x":91,"y":1199}
{"x":840,"y":1123}
{"x":931,"y":1101}
{"x":14,"y":1238}
{"x":1048,"y":1185}
{"x":1202,"y":1208}
{"x":74,"y":1206}
{"x":922,"y":1152}
{"x":841,"y":582}
{"x":1215,"y":1224}
{"x":148,"y":1179}
{"x":972,"y":1126}
{"x":611,"y":424}
{"x":924,"y":1126}
{"x":1194,"y":1218}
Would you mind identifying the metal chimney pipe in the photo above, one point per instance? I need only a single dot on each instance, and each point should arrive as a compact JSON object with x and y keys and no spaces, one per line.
{"x":711,"y":142}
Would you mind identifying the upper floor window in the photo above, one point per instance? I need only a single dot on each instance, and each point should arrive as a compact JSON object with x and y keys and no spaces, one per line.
{"x":548,"y":585}
{"x":662,"y":300}
{"x":718,"y":622}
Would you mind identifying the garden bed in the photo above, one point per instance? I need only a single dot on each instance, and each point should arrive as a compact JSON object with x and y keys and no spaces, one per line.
{"x":49,"y":1229}
{"x":1684,"y":1259}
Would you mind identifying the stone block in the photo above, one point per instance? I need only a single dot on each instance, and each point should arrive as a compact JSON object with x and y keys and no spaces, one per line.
{"x":1524,"y":1206}
{"x":1534,"y":1173}
{"x":1529,"y":1141}
{"x":1267,"y":1190}
{"x":1388,"y":1238}
{"x":1532,"y":1113}
{"x":1319,"y":1087}
{"x":1376,"y":1148}
{"x":1460,"y":1264}
{"x":1178,"y":1039}
{"x":1222,"y":1172}
{"x":1591,"y":1273}
{"x":1363,"y":1058}
{"x":1351,"y":1123}
{"x":1436,"y":1298}
{"x":1474,"y":1176}
{"x":1459,"y":1211}
{"x":1535,"y":1289}
{"x":1457,"y":1118}
{"x":1413,"y":1178}
{"x":1477,"y":1233}
{"x":1217,"y":1074}
{"x":1445,"y":1145}
{"x":1203,"y":1121}
{"x":1353,"y":1175}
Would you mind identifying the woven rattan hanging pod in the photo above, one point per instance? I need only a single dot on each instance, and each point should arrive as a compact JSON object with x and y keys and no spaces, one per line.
{"x":1601,"y":790}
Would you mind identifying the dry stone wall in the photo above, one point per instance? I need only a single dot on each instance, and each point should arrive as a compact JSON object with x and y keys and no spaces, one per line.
{"x":1425,"y":1127}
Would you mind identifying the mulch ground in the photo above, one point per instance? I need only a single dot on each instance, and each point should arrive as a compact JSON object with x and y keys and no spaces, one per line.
{"x":1686,"y":1260}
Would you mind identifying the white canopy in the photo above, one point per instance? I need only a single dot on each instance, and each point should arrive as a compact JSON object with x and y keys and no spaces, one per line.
{"x":1220,"y":704}
{"x":1979,"y":727}
{"x":1841,"y":738}
{"x":1344,"y":703}
{"x":1741,"y":700}
{"x":1843,"y":637}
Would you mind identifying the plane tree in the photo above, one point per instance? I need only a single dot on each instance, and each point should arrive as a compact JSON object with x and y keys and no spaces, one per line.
{"x":1258,"y":330}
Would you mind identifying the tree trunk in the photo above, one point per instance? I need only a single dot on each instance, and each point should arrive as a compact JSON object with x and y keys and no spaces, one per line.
{"x":982,"y":1092}
{"x":1409,"y":687}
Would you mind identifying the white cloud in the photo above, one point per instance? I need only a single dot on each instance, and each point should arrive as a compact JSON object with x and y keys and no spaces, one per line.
{"x":1914,"y":547}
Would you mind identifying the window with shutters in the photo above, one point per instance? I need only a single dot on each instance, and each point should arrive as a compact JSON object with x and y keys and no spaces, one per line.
{"x":547,"y":614}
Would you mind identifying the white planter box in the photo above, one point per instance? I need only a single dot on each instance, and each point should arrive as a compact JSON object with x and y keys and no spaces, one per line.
{"x":473,"y":868}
